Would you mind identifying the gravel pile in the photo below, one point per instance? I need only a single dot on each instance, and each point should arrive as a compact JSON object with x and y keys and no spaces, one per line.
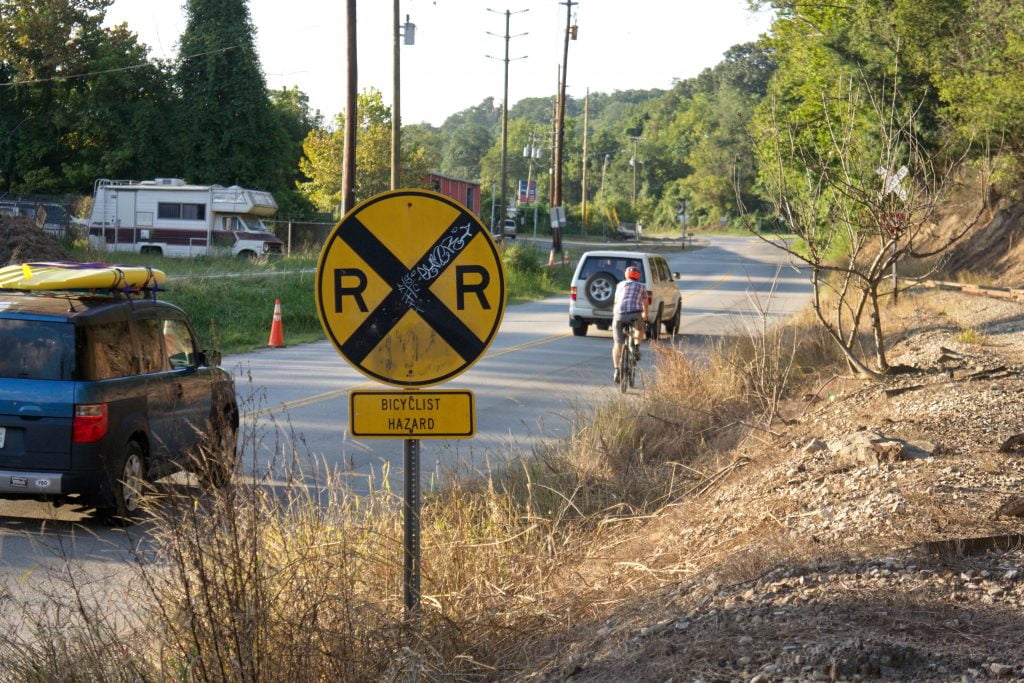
{"x":22,"y":241}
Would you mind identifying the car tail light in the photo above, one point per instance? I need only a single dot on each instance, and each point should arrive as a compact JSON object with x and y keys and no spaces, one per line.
{"x":90,"y":423}
{"x":650,"y":297}
{"x":572,"y":294}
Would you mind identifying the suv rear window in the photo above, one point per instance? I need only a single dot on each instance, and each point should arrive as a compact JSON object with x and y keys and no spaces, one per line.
{"x":107,"y":352}
{"x":35,"y":349}
{"x":616,"y":265}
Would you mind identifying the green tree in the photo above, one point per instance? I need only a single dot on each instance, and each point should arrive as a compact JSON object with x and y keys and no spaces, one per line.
{"x":77,"y":101}
{"x":427,"y":138}
{"x":467,"y":145}
{"x":116,"y":119}
{"x":228,"y":131}
{"x":323,"y":151}
{"x":974,"y":50}
{"x":291,"y":106}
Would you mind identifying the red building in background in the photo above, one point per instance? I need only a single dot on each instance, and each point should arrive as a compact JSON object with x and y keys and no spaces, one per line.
{"x":463,"y":191}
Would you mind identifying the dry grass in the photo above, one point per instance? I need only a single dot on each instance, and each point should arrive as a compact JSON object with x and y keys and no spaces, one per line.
{"x":294,"y":578}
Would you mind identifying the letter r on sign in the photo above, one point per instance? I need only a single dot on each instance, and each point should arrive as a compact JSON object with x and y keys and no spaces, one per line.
{"x":462,"y":287}
{"x":340,"y":291}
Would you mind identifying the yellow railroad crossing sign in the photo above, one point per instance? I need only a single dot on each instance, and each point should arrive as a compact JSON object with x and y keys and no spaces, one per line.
{"x":437,"y":414}
{"x":410,"y":288}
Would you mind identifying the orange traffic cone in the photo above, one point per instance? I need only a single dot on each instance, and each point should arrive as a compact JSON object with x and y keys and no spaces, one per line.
{"x":551,"y":259}
{"x":565,"y":257}
{"x":276,"y":332}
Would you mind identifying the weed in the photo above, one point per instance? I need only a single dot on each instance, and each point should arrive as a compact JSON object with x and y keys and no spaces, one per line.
{"x":971,"y":335}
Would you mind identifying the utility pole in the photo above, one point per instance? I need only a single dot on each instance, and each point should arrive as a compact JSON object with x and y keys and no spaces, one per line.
{"x":348,"y":164}
{"x":556,"y":200}
{"x":554,"y":134}
{"x":532,"y":152}
{"x":586,"y":123}
{"x":604,"y":175}
{"x":500,"y":231}
{"x":396,"y":108}
{"x":634,"y":162}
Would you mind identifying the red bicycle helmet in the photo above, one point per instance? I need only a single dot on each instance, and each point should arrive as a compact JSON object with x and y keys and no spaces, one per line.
{"x":632,"y":273}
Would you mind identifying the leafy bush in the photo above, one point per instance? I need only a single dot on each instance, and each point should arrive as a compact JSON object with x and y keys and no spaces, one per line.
{"x":523,"y":258}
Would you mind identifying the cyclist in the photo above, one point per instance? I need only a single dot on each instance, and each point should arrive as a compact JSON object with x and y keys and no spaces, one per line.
{"x":630,"y":305}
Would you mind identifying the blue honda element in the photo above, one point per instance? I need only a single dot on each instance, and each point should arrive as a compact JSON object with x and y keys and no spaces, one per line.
{"x":100,"y":394}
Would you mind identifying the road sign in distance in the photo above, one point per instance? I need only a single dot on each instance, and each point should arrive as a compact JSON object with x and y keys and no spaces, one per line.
{"x":441,"y":414}
{"x":410,"y":288}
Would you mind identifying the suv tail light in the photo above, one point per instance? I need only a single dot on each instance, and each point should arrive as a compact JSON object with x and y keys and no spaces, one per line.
{"x":650,"y":297}
{"x":572,"y":293}
{"x":90,"y":423}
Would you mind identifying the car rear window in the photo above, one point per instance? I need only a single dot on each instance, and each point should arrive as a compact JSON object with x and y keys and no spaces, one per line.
{"x":34,"y":349}
{"x":107,"y":352}
{"x":616,"y":265}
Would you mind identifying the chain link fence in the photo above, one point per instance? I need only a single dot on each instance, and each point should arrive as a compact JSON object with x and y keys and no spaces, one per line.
{"x":301,"y":237}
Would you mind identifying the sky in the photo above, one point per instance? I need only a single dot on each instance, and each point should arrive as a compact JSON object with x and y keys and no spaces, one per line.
{"x":621,"y":45}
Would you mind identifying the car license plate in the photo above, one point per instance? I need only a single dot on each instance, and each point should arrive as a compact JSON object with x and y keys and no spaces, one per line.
{"x":3,"y":436}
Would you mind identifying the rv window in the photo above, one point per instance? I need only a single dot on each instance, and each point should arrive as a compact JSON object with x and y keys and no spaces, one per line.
{"x":168,"y":210}
{"x":193,"y":212}
{"x":190,"y":212}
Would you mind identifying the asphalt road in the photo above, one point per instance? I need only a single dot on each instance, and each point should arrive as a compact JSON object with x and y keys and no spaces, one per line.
{"x":528,"y":385}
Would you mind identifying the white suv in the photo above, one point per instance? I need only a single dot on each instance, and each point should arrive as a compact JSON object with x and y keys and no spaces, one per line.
{"x":592,"y":293}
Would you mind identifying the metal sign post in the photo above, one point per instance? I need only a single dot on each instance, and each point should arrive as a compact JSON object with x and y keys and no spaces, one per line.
{"x":410,"y":290}
{"x":411,"y":575}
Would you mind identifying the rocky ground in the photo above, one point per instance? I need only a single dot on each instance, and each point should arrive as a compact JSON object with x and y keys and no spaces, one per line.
{"x":877,"y":533}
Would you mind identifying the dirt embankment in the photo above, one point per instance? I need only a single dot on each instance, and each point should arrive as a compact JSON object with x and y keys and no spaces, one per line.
{"x":21,"y":241}
{"x":997,"y":248}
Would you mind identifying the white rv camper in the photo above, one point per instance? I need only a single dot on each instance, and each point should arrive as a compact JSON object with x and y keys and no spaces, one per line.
{"x":166,"y":216}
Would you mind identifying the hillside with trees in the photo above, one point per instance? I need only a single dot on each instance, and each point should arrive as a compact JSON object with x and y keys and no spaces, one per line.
{"x":80,"y":101}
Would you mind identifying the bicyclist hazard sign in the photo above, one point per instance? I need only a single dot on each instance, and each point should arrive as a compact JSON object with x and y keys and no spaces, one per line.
{"x":410,"y":288}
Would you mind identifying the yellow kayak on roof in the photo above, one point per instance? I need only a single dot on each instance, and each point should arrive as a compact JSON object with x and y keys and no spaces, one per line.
{"x":69,"y":275}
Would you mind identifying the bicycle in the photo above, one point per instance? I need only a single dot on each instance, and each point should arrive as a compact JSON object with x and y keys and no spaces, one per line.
{"x":630,"y":353}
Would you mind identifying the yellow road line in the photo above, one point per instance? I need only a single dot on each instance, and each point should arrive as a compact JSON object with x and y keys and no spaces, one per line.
{"x":527,"y":345}
{"x":716,"y":283}
{"x":308,"y":400}
{"x":338,"y":393}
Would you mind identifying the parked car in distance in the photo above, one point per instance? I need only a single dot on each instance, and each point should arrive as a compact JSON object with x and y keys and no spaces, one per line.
{"x":592,"y":291}
{"x":102,"y":393}
{"x":509,"y":227}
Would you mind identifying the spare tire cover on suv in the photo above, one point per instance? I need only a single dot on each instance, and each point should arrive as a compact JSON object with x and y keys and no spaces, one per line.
{"x":600,"y":289}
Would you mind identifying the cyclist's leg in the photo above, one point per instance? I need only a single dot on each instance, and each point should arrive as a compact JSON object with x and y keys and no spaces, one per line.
{"x":618,"y":342}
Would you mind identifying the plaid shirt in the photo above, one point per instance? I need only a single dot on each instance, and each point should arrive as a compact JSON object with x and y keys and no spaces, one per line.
{"x":629,"y":297}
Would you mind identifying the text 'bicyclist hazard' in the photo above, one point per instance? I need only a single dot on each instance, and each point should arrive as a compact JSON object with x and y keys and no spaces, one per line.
{"x":442,"y":414}
{"x":410,"y":288}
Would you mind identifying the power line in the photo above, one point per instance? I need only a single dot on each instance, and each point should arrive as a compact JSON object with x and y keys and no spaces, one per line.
{"x":110,"y":71}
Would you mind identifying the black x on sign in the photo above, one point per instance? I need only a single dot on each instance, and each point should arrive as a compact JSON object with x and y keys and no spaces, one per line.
{"x":410,"y":288}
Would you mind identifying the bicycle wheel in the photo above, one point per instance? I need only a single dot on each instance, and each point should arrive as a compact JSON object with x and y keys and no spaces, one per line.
{"x":626,"y":367}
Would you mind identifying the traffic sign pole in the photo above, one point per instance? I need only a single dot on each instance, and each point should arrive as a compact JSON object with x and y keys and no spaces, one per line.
{"x":410,"y":290}
{"x":411,"y":579}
